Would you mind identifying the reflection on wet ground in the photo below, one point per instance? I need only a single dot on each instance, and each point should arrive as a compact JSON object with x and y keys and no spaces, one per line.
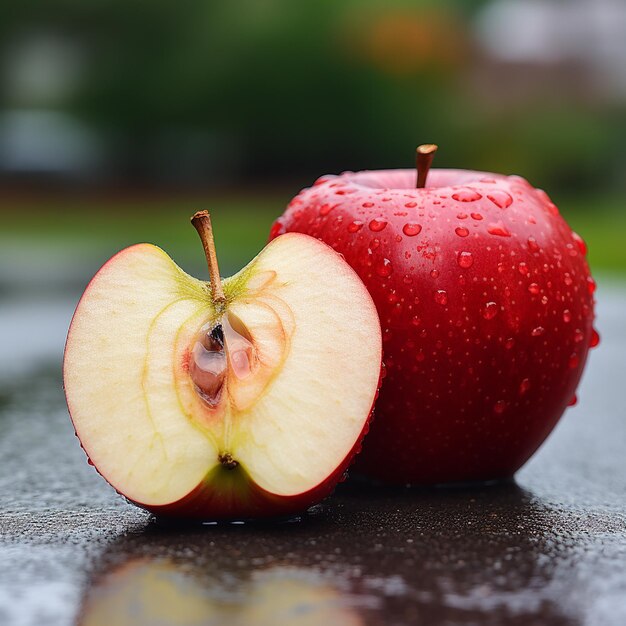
{"x":550,"y":549}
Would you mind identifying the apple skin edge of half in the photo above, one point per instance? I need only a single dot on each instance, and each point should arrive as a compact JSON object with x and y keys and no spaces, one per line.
{"x":238,"y":497}
{"x":225,"y":493}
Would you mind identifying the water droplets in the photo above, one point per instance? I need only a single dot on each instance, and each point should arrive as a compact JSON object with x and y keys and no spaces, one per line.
{"x":567,"y":316}
{"x":499,"y":407}
{"x":523,"y":269}
{"x":377,"y":224}
{"x":355,"y":226}
{"x":524,"y":386}
{"x":325,"y":209}
{"x":490,"y":310}
{"x":465,"y":259}
{"x":580,"y":242}
{"x":595,"y":338}
{"x":384,"y":268}
{"x":441,"y":297}
{"x":509,"y":343}
{"x":476,"y":216}
{"x":367,"y":205}
{"x":410,"y":229}
{"x":461,"y":231}
{"x":573,"y":361}
{"x":537,"y":331}
{"x":498,"y":229}
{"x":410,"y":205}
{"x":500,"y":198}
{"x":534,"y":288}
{"x":591,"y":285}
{"x":533,"y":246}
{"x":578,"y":335}
{"x":466,"y":195}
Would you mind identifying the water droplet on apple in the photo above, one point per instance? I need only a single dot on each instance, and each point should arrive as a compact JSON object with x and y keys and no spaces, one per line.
{"x":533,"y":288}
{"x":466,"y":195}
{"x":410,"y":229}
{"x":573,"y":400}
{"x":500,"y":198}
{"x":461,"y":216}
{"x":591,"y":285}
{"x":490,"y":310}
{"x":461,"y":231}
{"x":434,"y":273}
{"x":407,"y":279}
{"x":384,"y":268}
{"x":377,"y":224}
{"x":355,"y":226}
{"x":499,"y":407}
{"x":509,"y":343}
{"x":538,"y":331}
{"x":578,"y":335}
{"x":374,"y":244}
{"x":524,"y":386}
{"x":476,"y":216}
{"x":595,"y":338}
{"x":498,"y":229}
{"x":325,"y":209}
{"x":580,"y":242}
{"x":522,"y":268}
{"x":367,"y":205}
{"x":416,"y":321}
{"x":567,"y":279}
{"x":533,"y":246}
{"x":573,"y":361}
{"x":441,"y":296}
{"x":465,"y":259}
{"x":410,"y":205}
{"x":567,"y":316}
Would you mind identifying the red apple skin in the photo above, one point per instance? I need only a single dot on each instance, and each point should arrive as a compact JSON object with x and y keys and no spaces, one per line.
{"x":486,"y":305}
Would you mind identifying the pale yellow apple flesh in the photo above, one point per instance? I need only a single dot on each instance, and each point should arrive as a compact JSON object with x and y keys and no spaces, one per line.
{"x":158,"y":405}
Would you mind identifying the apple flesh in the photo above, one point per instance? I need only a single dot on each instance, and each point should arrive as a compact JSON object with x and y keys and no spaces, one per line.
{"x":250,"y":407}
{"x":486,"y":303}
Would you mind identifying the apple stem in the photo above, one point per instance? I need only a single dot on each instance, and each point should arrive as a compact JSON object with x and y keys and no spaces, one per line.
{"x":202,"y":223}
{"x":424,"y":156}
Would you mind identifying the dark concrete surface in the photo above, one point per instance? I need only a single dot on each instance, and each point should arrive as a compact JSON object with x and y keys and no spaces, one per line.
{"x":549,"y":549}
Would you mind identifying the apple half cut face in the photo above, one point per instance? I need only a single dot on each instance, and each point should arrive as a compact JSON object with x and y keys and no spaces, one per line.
{"x":248,"y":407}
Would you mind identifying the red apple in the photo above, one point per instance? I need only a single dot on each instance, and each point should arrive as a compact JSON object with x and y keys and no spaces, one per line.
{"x":224,"y":401}
{"x":486,"y":304}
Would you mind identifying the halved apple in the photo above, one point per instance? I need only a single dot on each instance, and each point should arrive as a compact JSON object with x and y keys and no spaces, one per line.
{"x":246,"y":398}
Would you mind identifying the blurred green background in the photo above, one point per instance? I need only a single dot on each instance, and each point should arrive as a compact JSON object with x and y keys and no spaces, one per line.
{"x":118,"y":119}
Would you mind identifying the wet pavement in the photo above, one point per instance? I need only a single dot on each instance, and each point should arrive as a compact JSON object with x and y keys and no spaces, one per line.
{"x":549,"y":549}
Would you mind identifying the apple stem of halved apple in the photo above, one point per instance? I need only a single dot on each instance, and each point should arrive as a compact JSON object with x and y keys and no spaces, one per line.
{"x":424,"y":156}
{"x":201,"y":221}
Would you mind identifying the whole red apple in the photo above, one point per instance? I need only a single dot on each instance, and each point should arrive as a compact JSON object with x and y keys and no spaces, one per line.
{"x":486,"y":305}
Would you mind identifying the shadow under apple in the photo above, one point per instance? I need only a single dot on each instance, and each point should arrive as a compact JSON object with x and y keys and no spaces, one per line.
{"x":368,"y":556}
